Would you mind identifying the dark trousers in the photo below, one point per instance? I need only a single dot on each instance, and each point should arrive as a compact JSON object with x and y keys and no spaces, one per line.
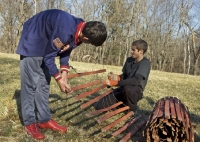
{"x":129,"y":95}
{"x":35,"y":80}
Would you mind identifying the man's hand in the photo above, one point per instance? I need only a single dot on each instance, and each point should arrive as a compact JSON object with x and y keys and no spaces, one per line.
{"x":110,"y":82}
{"x":114,"y":77}
{"x":64,"y":87}
{"x":64,"y":76}
{"x":64,"y":48}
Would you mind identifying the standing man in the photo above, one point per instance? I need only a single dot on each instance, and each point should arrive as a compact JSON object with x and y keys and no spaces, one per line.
{"x":46,"y":35}
{"x":132,"y":81}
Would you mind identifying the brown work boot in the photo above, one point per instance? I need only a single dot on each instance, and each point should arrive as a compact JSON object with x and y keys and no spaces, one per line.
{"x":51,"y":124}
{"x":34,"y":131}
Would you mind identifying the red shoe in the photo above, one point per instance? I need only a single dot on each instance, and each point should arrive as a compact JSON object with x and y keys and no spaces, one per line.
{"x":51,"y":124}
{"x":34,"y":131}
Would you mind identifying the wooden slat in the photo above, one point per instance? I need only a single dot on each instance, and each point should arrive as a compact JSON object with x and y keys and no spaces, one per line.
{"x":155,"y":113}
{"x":103,"y":110}
{"x":187,"y":120}
{"x":128,"y":136}
{"x":148,"y":134}
{"x":86,"y":85}
{"x":173,"y":112}
{"x":178,"y":113}
{"x":85,"y":94}
{"x":185,"y":114}
{"x":125,"y":126}
{"x":161,"y":108}
{"x":112,"y":113}
{"x":96,"y":99}
{"x":191,"y":133}
{"x":85,"y":73}
{"x":117,"y":121}
{"x":167,"y":113}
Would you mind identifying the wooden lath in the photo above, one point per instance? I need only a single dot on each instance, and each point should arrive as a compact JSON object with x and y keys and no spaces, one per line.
{"x":119,"y":131}
{"x":109,"y":111}
{"x":85,"y":73}
{"x":132,"y":132}
{"x":125,"y":117}
{"x":85,"y":94}
{"x":86,"y":85}
{"x":112,"y":113}
{"x":104,"y":110}
{"x":96,"y":99}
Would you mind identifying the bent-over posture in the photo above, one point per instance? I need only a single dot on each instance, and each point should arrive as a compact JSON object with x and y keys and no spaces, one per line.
{"x":46,"y":35}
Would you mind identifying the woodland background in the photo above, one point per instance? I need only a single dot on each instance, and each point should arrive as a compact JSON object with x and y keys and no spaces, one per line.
{"x":171,"y":28}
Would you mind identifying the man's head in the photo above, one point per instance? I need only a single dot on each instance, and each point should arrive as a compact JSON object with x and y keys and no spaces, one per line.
{"x":94,"y":33}
{"x":139,"y":47}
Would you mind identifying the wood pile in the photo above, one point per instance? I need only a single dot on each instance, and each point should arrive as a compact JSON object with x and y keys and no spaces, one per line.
{"x":169,"y":122}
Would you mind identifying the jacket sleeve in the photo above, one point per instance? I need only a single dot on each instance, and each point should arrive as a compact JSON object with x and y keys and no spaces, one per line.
{"x":52,"y":51}
{"x":123,"y":75}
{"x":49,"y":60}
{"x":64,"y":60}
{"x":131,"y":81}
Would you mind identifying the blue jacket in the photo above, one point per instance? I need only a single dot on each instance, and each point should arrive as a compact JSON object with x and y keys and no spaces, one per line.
{"x":39,"y":32}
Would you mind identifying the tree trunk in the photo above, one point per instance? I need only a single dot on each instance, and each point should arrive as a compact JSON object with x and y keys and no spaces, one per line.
{"x":172,"y":64}
{"x":189,"y":56}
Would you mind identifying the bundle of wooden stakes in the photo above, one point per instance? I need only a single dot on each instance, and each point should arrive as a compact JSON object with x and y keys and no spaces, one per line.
{"x":169,"y":122}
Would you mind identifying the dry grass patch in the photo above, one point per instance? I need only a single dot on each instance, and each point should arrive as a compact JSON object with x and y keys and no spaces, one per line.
{"x":66,"y":110}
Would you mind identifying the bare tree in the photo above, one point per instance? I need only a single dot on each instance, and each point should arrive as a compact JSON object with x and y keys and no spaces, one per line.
{"x":167,"y":26}
{"x":196,"y":52}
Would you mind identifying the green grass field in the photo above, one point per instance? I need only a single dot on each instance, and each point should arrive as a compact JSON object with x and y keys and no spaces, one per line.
{"x":66,"y":110}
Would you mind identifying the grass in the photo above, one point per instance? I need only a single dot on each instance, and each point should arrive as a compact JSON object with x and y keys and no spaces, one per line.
{"x":66,"y":110}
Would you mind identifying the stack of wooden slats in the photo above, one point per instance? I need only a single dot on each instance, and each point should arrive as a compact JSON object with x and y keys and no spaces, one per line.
{"x":169,"y":122}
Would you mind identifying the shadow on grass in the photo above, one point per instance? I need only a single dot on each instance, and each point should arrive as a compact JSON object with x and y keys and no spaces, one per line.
{"x":86,"y":120}
{"x":57,"y":98}
{"x":196,"y":138}
{"x":150,"y":101}
{"x":90,"y":125}
{"x":138,"y":134}
{"x":16,"y":96}
{"x":93,"y":123}
{"x":71,"y":110}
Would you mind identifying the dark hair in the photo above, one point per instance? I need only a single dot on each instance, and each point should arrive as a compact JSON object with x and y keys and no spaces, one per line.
{"x":140,"y":45}
{"x":96,"y":32}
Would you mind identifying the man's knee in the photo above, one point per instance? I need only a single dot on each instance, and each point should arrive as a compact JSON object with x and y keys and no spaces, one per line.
{"x":129,"y":90}
{"x":128,"y":87}
{"x":132,"y":94}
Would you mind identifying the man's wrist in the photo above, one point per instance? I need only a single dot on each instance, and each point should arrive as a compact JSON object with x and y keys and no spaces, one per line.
{"x":57,"y":77}
{"x":64,"y":69}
